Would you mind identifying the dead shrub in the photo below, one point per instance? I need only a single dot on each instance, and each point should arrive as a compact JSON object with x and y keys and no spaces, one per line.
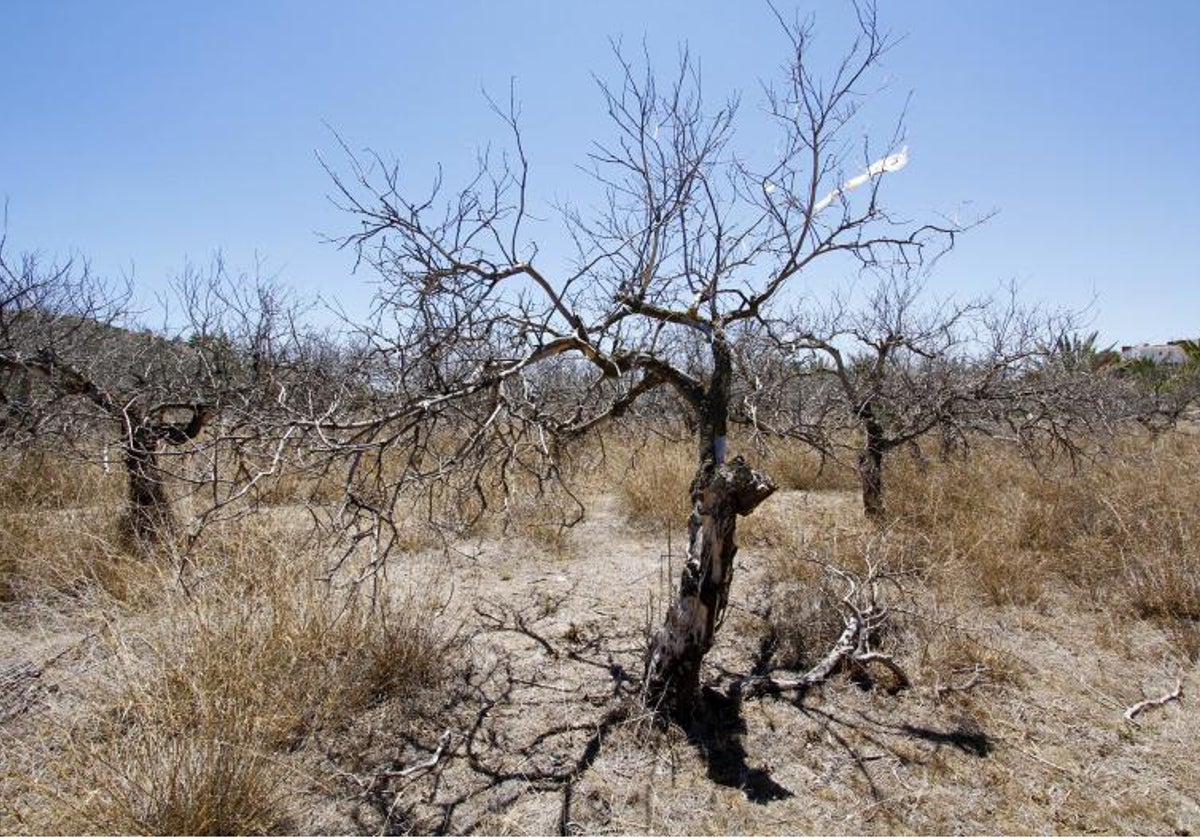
{"x":806,"y":592}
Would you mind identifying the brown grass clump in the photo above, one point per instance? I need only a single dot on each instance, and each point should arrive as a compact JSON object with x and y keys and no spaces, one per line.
{"x":57,"y":528}
{"x":971,"y":513}
{"x":211,"y":780}
{"x":37,"y":479}
{"x":187,"y":726}
{"x":308,"y":653}
{"x":795,"y":466}
{"x":653,"y":480}
{"x":56,"y":555}
{"x":1125,"y":529}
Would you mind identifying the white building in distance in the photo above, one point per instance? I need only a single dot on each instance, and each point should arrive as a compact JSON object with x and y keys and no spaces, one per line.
{"x":1159,"y":354}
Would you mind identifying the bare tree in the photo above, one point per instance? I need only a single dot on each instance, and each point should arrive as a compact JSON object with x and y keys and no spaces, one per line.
{"x":75,"y":367}
{"x":691,"y":244}
{"x":864,"y":380}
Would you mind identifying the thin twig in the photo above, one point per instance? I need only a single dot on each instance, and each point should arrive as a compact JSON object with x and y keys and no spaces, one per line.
{"x":427,"y":764}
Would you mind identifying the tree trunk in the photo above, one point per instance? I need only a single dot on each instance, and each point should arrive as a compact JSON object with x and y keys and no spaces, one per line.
{"x":149,"y":518}
{"x":720,"y":493}
{"x":713,"y":410}
{"x":870,"y":474}
{"x":870,"y":463}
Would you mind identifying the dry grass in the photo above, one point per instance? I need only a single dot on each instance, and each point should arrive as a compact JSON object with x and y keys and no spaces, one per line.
{"x":653,"y":475}
{"x":201,"y":682}
{"x":653,"y":480}
{"x":1125,"y":530}
{"x":188,"y":727}
{"x":245,"y":696}
{"x":40,"y":480}
{"x":794,"y":466}
{"x":60,"y":531}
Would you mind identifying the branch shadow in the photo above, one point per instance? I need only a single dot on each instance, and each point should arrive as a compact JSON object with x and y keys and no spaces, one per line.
{"x":716,"y":730}
{"x":965,"y":736}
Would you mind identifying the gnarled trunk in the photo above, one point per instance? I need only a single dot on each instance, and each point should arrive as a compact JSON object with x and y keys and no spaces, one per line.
{"x":870,"y":475}
{"x":719,"y":495}
{"x":870,"y":464}
{"x":149,"y":518}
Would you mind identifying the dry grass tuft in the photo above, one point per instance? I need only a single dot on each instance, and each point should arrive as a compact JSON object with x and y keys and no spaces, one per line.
{"x":795,"y":466}
{"x":211,"y":780}
{"x":58,"y":534}
{"x":41,"y":480}
{"x":653,"y":481}
{"x":971,"y":513}
{"x":57,"y":555}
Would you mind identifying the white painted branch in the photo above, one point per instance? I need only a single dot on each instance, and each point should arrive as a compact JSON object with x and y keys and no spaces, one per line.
{"x":891,"y":163}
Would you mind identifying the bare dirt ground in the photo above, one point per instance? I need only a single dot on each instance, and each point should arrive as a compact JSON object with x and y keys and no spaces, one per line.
{"x":547,"y":737}
{"x":1013,"y":725}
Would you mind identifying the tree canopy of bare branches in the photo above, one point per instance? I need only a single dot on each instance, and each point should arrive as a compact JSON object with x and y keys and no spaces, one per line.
{"x":692,"y":242}
{"x":78,"y":372}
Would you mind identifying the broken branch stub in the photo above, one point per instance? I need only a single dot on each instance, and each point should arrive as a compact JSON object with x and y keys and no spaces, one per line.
{"x":719,"y":495}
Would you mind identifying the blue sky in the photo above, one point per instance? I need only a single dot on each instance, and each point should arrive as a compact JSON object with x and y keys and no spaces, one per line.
{"x":142,"y":134}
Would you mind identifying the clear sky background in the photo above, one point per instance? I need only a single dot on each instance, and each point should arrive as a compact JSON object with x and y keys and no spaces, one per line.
{"x":143,"y":134}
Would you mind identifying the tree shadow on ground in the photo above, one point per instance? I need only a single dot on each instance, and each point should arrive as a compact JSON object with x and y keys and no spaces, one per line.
{"x":716,"y":730}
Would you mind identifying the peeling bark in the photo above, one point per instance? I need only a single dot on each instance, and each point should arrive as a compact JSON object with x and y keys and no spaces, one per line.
{"x":720,"y":493}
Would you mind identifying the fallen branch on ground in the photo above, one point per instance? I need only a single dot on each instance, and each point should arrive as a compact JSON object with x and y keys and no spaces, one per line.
{"x":977,"y":675}
{"x":427,"y":764}
{"x":852,"y":648}
{"x":1137,"y":708}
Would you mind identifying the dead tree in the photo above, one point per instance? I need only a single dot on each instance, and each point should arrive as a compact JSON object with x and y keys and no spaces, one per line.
{"x":859,"y":380}
{"x":692,"y":245}
{"x":85,"y":370}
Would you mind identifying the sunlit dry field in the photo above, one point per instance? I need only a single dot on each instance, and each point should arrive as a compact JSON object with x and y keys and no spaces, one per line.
{"x":488,"y":681}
